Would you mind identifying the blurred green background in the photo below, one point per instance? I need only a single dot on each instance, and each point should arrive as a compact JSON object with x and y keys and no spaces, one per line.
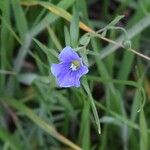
{"x":35,"y":114}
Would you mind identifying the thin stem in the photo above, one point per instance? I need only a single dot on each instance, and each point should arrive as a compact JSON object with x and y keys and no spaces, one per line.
{"x":120,"y":45}
{"x":8,"y":72}
{"x":139,"y":54}
{"x":108,"y":40}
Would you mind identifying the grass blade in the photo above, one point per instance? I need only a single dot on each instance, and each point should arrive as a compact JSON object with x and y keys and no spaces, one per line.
{"x":97,"y":120}
{"x":40,"y":122}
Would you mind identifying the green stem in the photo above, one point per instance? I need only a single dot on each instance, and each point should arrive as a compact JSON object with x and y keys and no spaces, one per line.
{"x":87,"y":89}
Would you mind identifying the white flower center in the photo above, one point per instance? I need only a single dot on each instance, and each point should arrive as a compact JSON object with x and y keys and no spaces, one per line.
{"x":75,"y":65}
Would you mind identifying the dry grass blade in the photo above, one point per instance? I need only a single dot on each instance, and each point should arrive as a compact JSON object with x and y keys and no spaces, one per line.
{"x":64,"y":14}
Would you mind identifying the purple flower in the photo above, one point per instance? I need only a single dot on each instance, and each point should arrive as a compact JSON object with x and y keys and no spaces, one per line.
{"x":70,"y":68}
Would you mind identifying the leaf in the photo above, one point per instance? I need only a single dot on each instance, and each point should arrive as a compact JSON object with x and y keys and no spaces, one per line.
{"x":57,"y":11}
{"x":67,"y":37}
{"x":119,"y":117}
{"x":83,"y":54}
{"x":45,"y":49}
{"x":143,"y":132}
{"x":115,"y":21}
{"x":87,"y":89}
{"x":74,"y":28}
{"x":84,"y":133}
{"x":39,"y":122}
{"x":27,"y":78}
{"x":21,"y":21}
{"x":7,"y":137}
{"x":54,"y":38}
{"x":85,"y":39}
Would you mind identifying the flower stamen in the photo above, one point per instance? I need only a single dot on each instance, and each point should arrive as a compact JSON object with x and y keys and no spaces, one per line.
{"x":75,"y":65}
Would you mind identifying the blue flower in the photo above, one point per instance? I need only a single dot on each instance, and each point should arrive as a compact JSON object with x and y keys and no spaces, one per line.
{"x":70,"y":68}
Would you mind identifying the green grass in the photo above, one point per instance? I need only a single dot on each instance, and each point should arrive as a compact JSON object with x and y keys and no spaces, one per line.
{"x":114,"y":97}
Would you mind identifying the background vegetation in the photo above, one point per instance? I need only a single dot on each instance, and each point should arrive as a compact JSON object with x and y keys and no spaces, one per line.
{"x":35,"y":114}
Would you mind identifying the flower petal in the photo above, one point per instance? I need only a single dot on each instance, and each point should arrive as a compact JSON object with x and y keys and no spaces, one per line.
{"x":83,"y":70}
{"x":68,"y":55}
{"x":57,"y":69}
{"x":69,"y":79}
{"x":64,"y":75}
